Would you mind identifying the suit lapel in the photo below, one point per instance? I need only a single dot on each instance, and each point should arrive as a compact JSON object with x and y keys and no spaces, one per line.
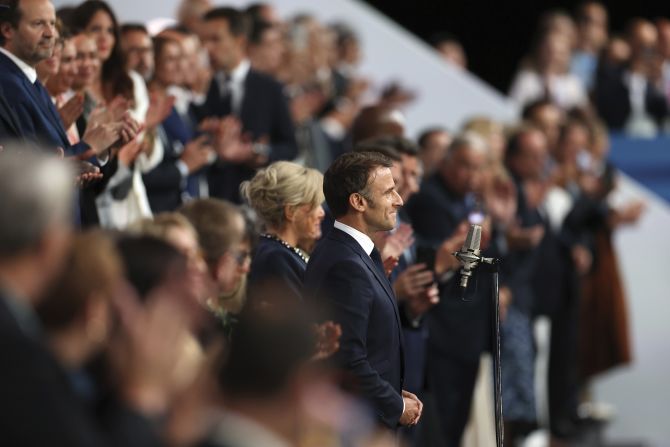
{"x":48,"y":117}
{"x":383,"y":281}
{"x":9,"y":116}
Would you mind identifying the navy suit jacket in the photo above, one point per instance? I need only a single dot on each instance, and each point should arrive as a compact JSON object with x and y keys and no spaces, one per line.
{"x":9,"y":122}
{"x":363,"y":303}
{"x":38,"y":117}
{"x":165,"y":183}
{"x":263,"y":112}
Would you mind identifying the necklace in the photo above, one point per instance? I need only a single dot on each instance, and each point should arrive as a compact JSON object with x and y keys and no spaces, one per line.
{"x":295,"y":250}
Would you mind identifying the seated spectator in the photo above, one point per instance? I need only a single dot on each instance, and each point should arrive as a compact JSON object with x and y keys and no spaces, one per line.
{"x":287,"y":197}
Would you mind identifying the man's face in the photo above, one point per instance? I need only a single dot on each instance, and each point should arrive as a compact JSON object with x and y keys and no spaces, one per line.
{"x":33,"y":39}
{"x":434,"y":150}
{"x":411,"y":173}
{"x":464,"y":171}
{"x":531,"y":159}
{"x":383,"y":201}
{"x":225,"y":50}
{"x":268,"y":54}
{"x":139,"y":52}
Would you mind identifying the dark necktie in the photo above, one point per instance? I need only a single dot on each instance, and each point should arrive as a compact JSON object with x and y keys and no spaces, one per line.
{"x":226,"y":103}
{"x":377,"y":259}
{"x":42,"y":93}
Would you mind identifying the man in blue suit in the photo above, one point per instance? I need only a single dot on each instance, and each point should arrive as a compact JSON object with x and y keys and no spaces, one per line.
{"x":346,"y":272}
{"x":254,"y":98}
{"x":9,"y":122}
{"x":27,"y":36}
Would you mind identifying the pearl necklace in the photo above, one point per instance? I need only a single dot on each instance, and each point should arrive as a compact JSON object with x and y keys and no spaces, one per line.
{"x":295,"y":250}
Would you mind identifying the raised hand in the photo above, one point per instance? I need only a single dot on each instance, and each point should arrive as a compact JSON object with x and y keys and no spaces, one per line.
{"x":197,"y":153}
{"x":71,"y":110}
{"x":416,"y":279}
{"x":88,"y":173}
{"x":129,"y":152}
{"x":102,"y":136}
{"x":501,"y":200}
{"x":444,"y":258}
{"x":394,"y":244}
{"x":108,"y":113}
{"x":160,"y":106}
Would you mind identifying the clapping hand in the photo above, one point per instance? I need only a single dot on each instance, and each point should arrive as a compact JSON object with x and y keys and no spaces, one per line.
{"x":71,"y":110}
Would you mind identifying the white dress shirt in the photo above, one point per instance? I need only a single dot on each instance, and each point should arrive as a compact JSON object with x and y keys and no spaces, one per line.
{"x":363,"y":239}
{"x":29,"y":71}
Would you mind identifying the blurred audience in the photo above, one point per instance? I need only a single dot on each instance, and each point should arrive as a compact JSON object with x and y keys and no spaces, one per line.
{"x":188,"y":325}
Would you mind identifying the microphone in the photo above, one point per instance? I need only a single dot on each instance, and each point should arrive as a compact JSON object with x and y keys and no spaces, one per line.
{"x":469,"y":255}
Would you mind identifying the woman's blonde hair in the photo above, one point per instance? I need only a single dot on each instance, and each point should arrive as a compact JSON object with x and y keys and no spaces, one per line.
{"x":279,"y":185}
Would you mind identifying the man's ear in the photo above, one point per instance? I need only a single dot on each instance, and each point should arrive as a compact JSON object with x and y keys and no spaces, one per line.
{"x":357,"y":202}
{"x":7,"y":31}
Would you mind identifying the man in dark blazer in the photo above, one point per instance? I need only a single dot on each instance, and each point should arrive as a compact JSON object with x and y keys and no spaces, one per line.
{"x":346,"y":272}
{"x":256,"y":99}
{"x":458,"y":330}
{"x":22,"y":47}
{"x":9,"y":122}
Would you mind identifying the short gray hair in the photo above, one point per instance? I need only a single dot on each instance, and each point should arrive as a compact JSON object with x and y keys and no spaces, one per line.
{"x":469,"y":139}
{"x":36,"y":192}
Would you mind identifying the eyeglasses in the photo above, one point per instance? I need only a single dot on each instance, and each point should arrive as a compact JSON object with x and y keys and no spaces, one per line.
{"x":240,"y":256}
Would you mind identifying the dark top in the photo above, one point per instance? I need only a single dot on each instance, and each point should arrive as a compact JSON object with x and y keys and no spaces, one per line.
{"x":272,"y":261}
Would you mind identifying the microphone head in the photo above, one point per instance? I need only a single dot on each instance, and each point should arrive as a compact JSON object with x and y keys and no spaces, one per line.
{"x":473,"y":239}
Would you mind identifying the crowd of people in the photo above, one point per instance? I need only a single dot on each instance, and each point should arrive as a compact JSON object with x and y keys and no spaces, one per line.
{"x":212,"y":235}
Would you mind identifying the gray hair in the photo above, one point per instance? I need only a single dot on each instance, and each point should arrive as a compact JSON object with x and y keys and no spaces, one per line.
{"x":470,"y":140}
{"x":36,"y":192}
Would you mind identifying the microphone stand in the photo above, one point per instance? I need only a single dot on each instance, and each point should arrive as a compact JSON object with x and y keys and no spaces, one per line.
{"x":495,"y":338}
{"x":492,"y":263}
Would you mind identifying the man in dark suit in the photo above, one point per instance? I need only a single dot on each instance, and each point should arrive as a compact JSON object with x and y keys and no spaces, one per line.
{"x":256,"y":99}
{"x":22,"y":46}
{"x":9,"y":122}
{"x":346,"y":272}
{"x":458,"y":330}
